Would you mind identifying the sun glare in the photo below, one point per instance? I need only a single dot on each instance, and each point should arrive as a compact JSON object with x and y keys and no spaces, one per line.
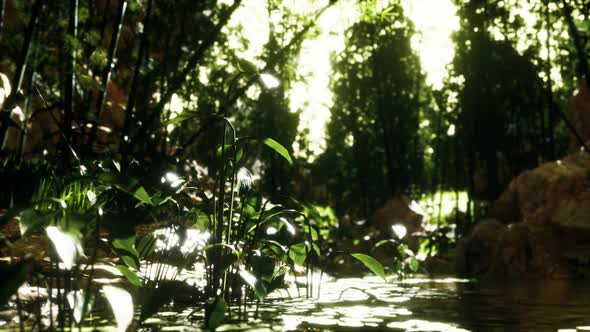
{"x":311,"y":96}
{"x":435,"y":21}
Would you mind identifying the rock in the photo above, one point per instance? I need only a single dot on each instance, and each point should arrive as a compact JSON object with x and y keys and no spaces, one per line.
{"x":548,"y":209}
{"x":11,"y":228}
{"x":556,"y":193}
{"x":398,"y":210}
{"x":506,"y":208}
{"x":475,"y":253}
{"x":528,"y":253}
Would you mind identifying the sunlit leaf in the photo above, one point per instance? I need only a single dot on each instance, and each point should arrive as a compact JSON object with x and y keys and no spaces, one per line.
{"x":316,"y":248}
{"x":127,"y":251}
{"x":183,"y":117}
{"x":269,"y":81}
{"x":408,"y":252}
{"x":297,"y":253}
{"x":129,"y":185}
{"x":414,"y":265}
{"x":218,"y":308}
{"x":76,"y":302}
{"x":127,"y":245}
{"x":271,"y":143}
{"x":277,"y":248}
{"x":371,"y":263}
{"x":130,"y":261}
{"x":130,"y":275}
{"x":246,"y":66}
{"x":143,"y":196}
{"x":122,"y":305}
{"x":288,"y":225}
{"x":67,"y":245}
{"x":60,"y":201}
{"x":257,"y":285}
{"x":399,"y":230}
{"x":314,"y":234}
{"x":245,"y":178}
{"x":91,"y":197}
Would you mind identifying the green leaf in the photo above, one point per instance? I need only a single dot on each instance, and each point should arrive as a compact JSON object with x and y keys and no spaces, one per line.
{"x":130,"y":255}
{"x":31,"y":220}
{"x":314,"y":234}
{"x":276,"y":247}
{"x":127,"y":245}
{"x":228,"y":148}
{"x":203,"y":221}
{"x":246,"y":66}
{"x":218,"y":307}
{"x":130,"y":261}
{"x":183,"y":117}
{"x":297,"y":253}
{"x":371,"y":263}
{"x":271,"y":143}
{"x":414,"y":265}
{"x":409,"y":252}
{"x":128,"y":185}
{"x":257,"y":285}
{"x":239,"y":154}
{"x":146,"y":246}
{"x":316,"y":248}
{"x":143,"y":196}
{"x":130,"y":275}
{"x":382,"y":243}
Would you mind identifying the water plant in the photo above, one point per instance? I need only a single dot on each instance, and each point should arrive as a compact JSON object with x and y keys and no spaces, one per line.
{"x":93,"y":217}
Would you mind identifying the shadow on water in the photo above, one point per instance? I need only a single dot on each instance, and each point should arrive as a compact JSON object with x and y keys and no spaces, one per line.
{"x":418,"y":304}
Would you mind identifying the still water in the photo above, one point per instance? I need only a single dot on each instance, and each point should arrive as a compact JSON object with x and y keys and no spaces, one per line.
{"x":418,"y":304}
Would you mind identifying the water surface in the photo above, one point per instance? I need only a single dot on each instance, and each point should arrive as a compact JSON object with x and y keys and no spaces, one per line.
{"x":418,"y":304}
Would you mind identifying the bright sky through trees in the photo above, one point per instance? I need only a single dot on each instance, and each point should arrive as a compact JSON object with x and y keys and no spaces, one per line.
{"x":435,"y":20}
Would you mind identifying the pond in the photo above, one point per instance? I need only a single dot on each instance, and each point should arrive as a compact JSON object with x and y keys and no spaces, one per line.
{"x":417,"y":304}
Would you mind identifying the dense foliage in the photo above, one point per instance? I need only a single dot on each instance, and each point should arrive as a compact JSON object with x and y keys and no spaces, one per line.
{"x":122,"y":115}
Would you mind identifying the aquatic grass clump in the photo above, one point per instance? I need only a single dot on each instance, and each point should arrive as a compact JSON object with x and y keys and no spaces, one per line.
{"x":92,"y":217}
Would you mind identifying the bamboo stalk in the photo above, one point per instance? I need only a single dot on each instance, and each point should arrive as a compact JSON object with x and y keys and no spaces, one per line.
{"x":133,"y":92}
{"x":109,"y":67}
{"x":19,"y":75}
{"x":70,"y":71}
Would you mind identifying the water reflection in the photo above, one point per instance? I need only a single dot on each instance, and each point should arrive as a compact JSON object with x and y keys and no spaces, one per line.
{"x":419,"y":304}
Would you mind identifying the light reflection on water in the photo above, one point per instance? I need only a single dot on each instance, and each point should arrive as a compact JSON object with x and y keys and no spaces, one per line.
{"x":423,"y":304}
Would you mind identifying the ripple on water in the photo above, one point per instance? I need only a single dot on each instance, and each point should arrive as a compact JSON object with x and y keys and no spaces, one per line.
{"x":424,"y":304}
